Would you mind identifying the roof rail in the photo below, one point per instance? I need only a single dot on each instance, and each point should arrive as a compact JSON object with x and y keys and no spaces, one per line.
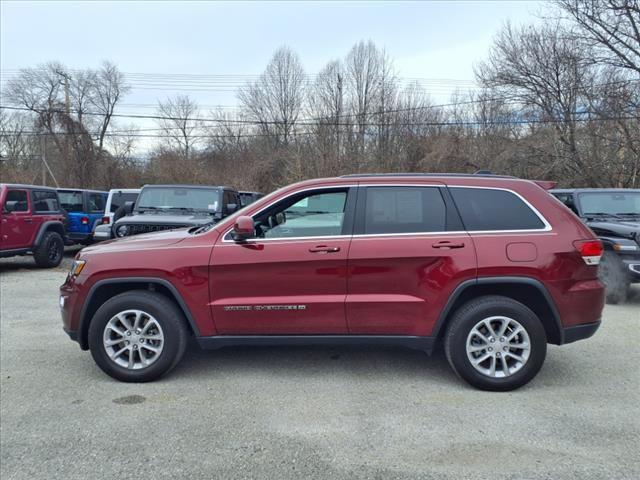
{"x":480,"y":173}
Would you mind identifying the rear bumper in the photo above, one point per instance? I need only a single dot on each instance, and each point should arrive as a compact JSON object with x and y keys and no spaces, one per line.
{"x":79,"y":237}
{"x":580,"y":332}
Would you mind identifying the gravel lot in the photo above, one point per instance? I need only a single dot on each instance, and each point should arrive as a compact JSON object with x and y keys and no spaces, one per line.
{"x":307,"y":412}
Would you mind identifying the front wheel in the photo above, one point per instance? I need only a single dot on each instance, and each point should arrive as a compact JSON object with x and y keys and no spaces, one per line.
{"x":137,"y":336}
{"x":495,"y":343}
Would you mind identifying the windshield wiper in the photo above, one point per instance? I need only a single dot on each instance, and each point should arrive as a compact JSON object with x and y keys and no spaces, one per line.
{"x":602,"y":214}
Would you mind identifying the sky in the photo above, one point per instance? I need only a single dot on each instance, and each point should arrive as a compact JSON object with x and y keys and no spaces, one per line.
{"x":427,"y":40}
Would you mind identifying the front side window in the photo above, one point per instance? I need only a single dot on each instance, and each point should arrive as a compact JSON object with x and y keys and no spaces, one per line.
{"x":71,"y":201}
{"x":315,"y":214}
{"x":16,"y":201}
{"x":96,"y":203}
{"x":484,"y":209}
{"x":45,"y":201}
{"x":391,"y":210}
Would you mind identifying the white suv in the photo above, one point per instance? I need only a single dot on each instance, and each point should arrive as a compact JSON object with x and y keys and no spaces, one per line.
{"x":116,"y":199}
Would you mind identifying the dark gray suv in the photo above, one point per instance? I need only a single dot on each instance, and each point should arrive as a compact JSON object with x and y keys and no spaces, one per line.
{"x":167,"y":207}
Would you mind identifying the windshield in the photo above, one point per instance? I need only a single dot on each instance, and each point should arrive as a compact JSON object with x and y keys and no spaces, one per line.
{"x":71,"y":201}
{"x":180,"y":198}
{"x":610,"y":203}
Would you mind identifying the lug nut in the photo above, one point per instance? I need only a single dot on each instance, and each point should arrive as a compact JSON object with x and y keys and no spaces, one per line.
{"x":490,"y":349}
{"x":128,"y":333}
{"x":492,"y":339}
{"x":142,"y":341}
{"x":503,"y":339}
{"x":137,"y":332}
{"x":135,"y":347}
{"x":505,"y":348}
{"x":498,"y":354}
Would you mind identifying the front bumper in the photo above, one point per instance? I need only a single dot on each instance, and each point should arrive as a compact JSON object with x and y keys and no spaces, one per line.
{"x":633,"y":268}
{"x":579,"y":332}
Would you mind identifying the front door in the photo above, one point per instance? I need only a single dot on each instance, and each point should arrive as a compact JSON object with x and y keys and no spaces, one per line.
{"x":17,"y":224}
{"x":409,"y":252}
{"x":291,"y":278}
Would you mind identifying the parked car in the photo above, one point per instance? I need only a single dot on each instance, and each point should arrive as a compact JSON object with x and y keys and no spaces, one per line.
{"x":494,"y":268}
{"x":247,"y":198}
{"x":31,"y":222}
{"x":614,"y":216}
{"x":167,"y":207}
{"x":85,"y":209}
{"x":115,"y":209}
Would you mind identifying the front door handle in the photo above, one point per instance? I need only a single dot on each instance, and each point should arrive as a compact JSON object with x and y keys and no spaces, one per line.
{"x":448,"y":244}
{"x":28,"y":220}
{"x":324,"y":249}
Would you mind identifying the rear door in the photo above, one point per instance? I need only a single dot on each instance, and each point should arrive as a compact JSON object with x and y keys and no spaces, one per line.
{"x":409,"y":252}
{"x":291,"y":279}
{"x":96,"y":208}
{"x":17,"y":226}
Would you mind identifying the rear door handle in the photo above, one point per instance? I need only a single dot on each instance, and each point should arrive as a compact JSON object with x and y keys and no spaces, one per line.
{"x":448,"y":244}
{"x":324,"y":249}
{"x":28,"y":220}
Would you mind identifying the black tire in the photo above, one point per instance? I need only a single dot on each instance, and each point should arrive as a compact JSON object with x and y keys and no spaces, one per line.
{"x":165,"y":312}
{"x":613,"y":274}
{"x":50,"y":251}
{"x":466,"y":318}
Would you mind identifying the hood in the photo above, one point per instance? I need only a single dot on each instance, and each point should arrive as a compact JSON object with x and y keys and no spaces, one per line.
{"x":170,"y":218}
{"x":140,"y":242}
{"x":623,"y":228}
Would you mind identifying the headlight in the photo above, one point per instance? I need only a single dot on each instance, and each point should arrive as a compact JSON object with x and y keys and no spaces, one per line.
{"x":76,"y":267}
{"x":122,"y":231}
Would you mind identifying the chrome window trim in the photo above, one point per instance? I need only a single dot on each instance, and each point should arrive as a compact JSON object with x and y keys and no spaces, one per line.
{"x":547,"y":226}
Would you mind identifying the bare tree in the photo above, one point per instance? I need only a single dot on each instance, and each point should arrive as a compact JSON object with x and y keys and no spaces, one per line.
{"x":276,"y":99}
{"x":180,"y":123}
{"x":612,"y":27}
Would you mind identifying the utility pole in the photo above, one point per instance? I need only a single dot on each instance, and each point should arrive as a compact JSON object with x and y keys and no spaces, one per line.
{"x":67,"y":106}
{"x":43,"y":154}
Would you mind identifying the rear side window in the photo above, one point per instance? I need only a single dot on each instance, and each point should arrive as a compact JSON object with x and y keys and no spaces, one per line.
{"x":486,"y":209}
{"x":96,"y":203}
{"x":404,"y":210}
{"x":16,"y":201}
{"x":45,"y":201}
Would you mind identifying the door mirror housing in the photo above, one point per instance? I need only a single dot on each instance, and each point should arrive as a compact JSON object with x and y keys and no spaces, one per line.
{"x":243,"y":229}
{"x":9,"y":207}
{"x":128,"y":207}
{"x":232,"y":207}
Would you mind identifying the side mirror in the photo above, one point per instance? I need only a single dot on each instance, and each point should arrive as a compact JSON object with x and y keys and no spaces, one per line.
{"x":243,"y":229}
{"x":128,"y":207}
{"x":9,"y":207}
{"x":232,"y":207}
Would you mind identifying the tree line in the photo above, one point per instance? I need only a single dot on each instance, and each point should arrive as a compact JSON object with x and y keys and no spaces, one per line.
{"x":558,"y":99}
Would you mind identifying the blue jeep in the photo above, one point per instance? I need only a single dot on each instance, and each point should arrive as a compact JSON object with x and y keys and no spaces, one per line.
{"x":85,"y":209}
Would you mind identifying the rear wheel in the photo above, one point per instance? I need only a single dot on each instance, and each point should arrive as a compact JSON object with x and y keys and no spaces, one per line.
{"x":50,"y":251}
{"x":137,"y":336}
{"x":613,"y":274}
{"x":495,"y":343}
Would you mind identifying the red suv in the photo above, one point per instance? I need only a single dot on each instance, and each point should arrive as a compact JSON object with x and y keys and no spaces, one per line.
{"x":493,"y":267}
{"x":31,"y":221}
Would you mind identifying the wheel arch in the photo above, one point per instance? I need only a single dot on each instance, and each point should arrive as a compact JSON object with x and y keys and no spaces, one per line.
{"x":103,"y":290}
{"x":526,"y":290}
{"x":49,"y":226}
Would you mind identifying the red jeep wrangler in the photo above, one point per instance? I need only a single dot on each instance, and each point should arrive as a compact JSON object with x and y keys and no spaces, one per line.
{"x":493,"y":267}
{"x":31,"y":221}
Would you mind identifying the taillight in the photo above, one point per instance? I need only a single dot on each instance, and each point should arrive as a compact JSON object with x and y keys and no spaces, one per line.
{"x":84,"y":220}
{"x":590,"y":250}
{"x":105,"y":220}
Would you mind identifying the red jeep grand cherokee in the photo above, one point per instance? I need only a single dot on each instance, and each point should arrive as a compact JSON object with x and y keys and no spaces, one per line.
{"x":493,"y":267}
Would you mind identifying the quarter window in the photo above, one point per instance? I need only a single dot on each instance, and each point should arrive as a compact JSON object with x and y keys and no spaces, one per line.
{"x":404,"y":210}
{"x":306,"y":215}
{"x":45,"y":201}
{"x":17,"y":201}
{"x":484,"y":209}
{"x":96,"y":203}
